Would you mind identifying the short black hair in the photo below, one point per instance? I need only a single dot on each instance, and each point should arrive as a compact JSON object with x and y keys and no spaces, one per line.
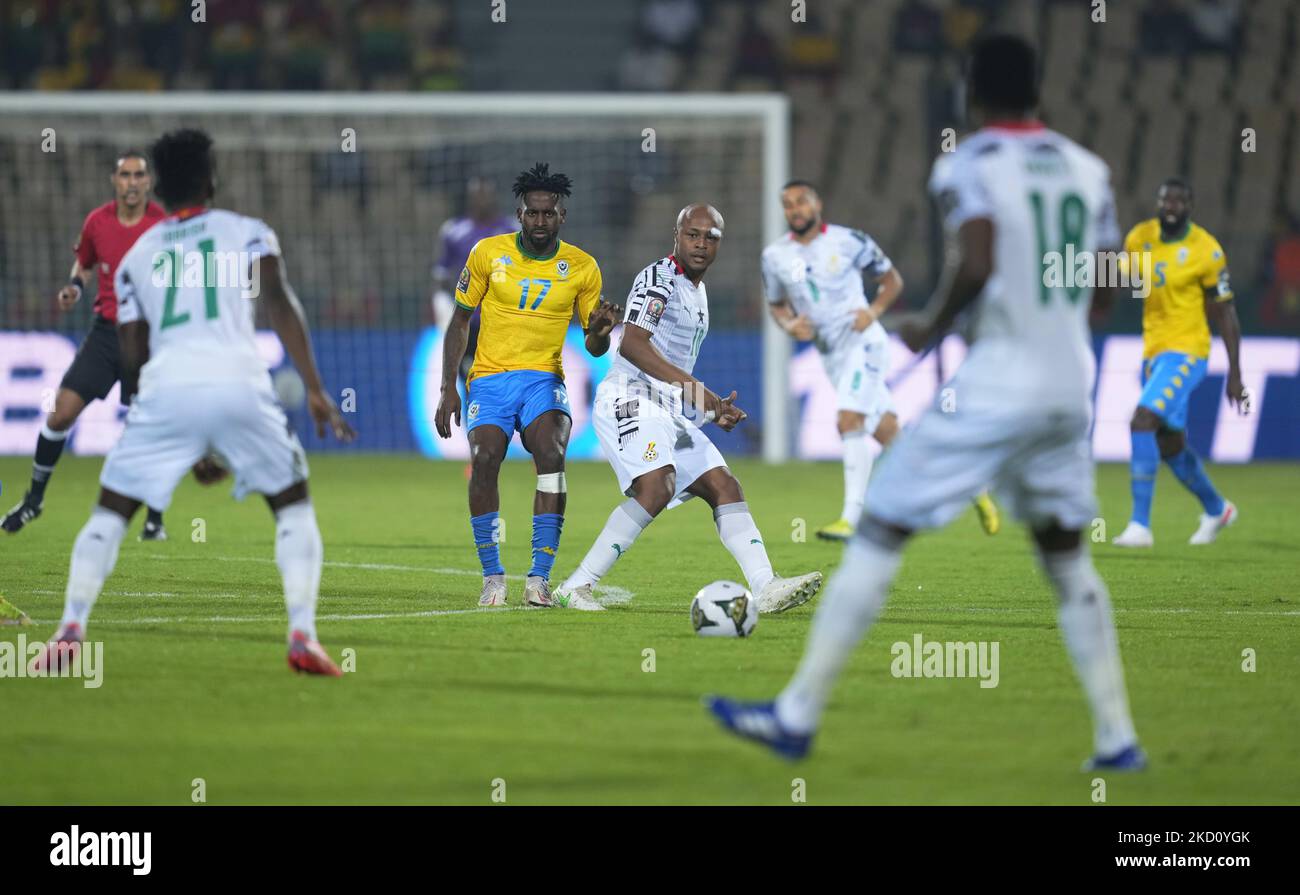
{"x":1003,"y":73}
{"x":539,"y":179}
{"x":182,"y":164}
{"x":1178,"y":182}
{"x":129,"y":153}
{"x":806,"y":184}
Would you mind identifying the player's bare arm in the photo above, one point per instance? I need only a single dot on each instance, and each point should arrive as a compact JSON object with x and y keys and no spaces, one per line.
{"x":601,"y":323}
{"x":636,"y":347}
{"x":1103,"y":294}
{"x":1223,"y":314}
{"x":797,"y":326}
{"x":70,"y":294}
{"x":453,"y":349}
{"x":960,"y":285}
{"x":890,"y":286}
{"x":290,"y":324}
{"x":133,"y":338}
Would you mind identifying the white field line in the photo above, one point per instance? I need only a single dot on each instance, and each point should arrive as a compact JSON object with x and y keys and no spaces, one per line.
{"x":433,"y":613}
{"x":609,"y":595}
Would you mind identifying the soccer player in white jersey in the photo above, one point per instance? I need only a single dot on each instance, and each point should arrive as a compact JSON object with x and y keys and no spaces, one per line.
{"x":186,"y":293}
{"x":813,"y":279}
{"x":1011,"y":196}
{"x":646,"y":414}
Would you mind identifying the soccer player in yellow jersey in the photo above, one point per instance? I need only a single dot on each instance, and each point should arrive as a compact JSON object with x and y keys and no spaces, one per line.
{"x":529,"y":285}
{"x":1189,"y":282}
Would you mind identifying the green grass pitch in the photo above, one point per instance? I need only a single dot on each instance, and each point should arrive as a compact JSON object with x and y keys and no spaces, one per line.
{"x":448,"y":702}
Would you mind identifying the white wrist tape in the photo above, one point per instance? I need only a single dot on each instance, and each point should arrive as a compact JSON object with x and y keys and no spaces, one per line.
{"x":551,"y":483}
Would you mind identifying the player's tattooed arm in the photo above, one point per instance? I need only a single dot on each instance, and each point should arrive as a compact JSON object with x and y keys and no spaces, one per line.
{"x":889,"y":287}
{"x":637,"y":349}
{"x":453,"y":349}
{"x":959,"y":286}
{"x":600,"y":324}
{"x":290,"y":324}
{"x":1224,"y":316}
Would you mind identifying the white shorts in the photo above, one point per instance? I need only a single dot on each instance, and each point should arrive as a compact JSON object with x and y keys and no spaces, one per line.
{"x":168,"y":430}
{"x":1038,"y":460}
{"x":857,"y":370}
{"x":639,"y":436}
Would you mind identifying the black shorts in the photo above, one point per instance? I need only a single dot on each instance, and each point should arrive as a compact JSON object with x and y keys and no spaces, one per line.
{"x":98,"y":363}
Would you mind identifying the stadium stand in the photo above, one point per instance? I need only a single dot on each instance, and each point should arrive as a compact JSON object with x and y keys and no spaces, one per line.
{"x":1161,"y":86}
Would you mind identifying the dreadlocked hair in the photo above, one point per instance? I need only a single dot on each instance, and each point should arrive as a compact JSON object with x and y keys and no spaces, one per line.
{"x":539,"y":179}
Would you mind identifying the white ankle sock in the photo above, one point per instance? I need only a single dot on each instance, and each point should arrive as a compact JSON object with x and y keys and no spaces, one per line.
{"x":621,"y":530}
{"x":741,"y":536}
{"x":1089,"y":632}
{"x":299,"y":554}
{"x":93,"y":556}
{"x":858,"y":460}
{"x":851,"y":603}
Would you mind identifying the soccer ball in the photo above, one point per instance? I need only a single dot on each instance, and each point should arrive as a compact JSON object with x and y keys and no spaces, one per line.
{"x":724,"y":609}
{"x":289,"y":388}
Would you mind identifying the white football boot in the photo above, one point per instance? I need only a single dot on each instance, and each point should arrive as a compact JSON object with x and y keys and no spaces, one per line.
{"x":1211,"y":525}
{"x":537,"y":592}
{"x":494,"y":591}
{"x":1135,"y":534}
{"x":786,"y":593}
{"x":576,"y":598}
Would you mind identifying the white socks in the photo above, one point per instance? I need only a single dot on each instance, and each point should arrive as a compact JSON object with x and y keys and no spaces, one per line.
{"x":851,"y":603}
{"x":299,"y":554}
{"x":735,"y":527}
{"x":741,"y":536}
{"x":858,"y":460}
{"x":857,"y":592}
{"x":93,"y":556}
{"x":621,"y":530}
{"x":1089,"y":632}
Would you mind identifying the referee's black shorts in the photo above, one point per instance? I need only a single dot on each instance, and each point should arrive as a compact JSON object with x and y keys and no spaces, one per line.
{"x":98,"y":363}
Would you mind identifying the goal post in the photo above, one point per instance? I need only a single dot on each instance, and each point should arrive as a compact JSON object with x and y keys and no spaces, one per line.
{"x":357,"y":186}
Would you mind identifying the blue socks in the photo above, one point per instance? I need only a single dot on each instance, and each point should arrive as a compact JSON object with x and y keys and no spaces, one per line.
{"x":1142,"y":467}
{"x":546,"y":542}
{"x":1187,"y":466}
{"x":485,"y":540}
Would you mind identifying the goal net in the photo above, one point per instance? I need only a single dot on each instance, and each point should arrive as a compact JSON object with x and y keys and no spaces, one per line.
{"x":357,"y":187}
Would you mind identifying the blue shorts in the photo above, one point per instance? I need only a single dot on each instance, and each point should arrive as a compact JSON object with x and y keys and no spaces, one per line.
{"x":513,"y":399}
{"x":1168,"y":380}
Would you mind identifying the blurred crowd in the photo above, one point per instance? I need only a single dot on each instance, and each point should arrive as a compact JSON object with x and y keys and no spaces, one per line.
{"x":410,"y":45}
{"x":247,"y":45}
{"x":866,"y":78}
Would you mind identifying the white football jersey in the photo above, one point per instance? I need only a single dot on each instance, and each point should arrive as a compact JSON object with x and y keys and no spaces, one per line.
{"x":823,"y":280}
{"x":664,"y":301}
{"x":189,"y":278}
{"x":1047,"y":197}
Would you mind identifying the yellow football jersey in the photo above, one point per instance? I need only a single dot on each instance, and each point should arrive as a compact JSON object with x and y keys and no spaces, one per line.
{"x":1173,"y":318}
{"x":527,"y":302}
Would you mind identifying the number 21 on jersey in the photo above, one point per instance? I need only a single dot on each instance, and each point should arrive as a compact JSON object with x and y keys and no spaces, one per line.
{"x":210,"y":306}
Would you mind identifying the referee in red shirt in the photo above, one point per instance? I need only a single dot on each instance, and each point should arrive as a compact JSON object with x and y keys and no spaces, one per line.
{"x":108,"y":233}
